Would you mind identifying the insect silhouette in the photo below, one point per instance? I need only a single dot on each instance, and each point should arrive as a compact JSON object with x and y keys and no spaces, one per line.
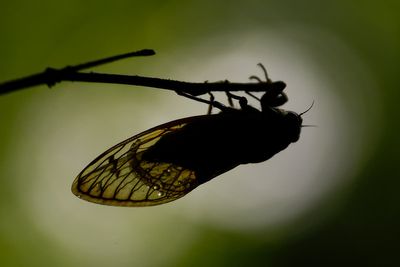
{"x":168,"y":161}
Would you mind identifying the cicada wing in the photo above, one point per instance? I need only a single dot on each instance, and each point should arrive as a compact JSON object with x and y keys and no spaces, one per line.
{"x":119,"y":176}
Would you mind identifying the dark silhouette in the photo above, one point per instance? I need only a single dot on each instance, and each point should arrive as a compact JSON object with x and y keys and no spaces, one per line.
{"x":168,"y":161}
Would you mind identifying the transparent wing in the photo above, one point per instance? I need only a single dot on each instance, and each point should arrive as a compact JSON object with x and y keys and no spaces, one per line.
{"x":119,"y":176}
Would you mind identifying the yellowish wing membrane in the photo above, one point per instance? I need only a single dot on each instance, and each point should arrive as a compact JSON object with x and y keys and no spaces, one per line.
{"x":119,"y":177}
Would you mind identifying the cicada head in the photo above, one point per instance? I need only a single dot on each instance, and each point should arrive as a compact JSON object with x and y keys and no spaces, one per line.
{"x":291,"y":124}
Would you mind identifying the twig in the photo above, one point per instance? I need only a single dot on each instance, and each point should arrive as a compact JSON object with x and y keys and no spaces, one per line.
{"x":51,"y":76}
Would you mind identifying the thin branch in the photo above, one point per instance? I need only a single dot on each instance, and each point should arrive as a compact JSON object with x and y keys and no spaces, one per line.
{"x":52,"y":76}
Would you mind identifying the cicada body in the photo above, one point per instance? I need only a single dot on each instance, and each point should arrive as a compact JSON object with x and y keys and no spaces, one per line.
{"x":168,"y":161}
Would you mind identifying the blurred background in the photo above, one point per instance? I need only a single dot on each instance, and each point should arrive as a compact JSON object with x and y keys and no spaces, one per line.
{"x":331,"y":199}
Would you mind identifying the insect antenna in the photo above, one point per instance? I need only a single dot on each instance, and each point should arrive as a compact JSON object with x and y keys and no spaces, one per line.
{"x":308,"y":125}
{"x":312,"y":104}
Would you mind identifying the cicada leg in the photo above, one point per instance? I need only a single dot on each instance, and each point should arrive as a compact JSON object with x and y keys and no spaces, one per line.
{"x":212,"y":99}
{"x":211,"y":102}
{"x":242,"y":100}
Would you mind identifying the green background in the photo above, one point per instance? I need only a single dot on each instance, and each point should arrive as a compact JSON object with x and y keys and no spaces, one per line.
{"x":355,"y":223}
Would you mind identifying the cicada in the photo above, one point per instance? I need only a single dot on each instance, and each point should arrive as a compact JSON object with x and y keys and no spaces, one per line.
{"x":168,"y":161}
